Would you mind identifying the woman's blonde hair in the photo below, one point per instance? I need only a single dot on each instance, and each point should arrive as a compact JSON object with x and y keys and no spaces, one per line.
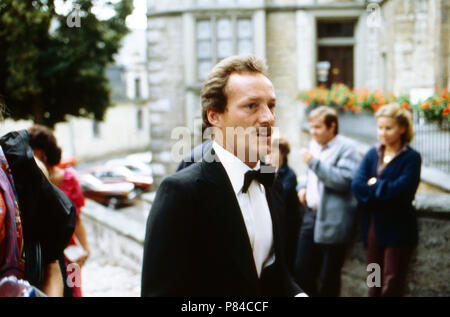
{"x":402,"y":116}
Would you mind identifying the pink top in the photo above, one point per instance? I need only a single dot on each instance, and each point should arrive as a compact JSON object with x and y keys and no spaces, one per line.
{"x":71,"y":187}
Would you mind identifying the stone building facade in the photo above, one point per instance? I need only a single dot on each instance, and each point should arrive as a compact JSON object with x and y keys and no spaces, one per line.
{"x":400,"y":46}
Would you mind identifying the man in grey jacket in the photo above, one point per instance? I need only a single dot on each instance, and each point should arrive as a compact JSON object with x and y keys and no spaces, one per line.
{"x":330,"y":206}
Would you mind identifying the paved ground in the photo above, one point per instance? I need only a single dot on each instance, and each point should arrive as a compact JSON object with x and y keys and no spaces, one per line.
{"x":104,"y":276}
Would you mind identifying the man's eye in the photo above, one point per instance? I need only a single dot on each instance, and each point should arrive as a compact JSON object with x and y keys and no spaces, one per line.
{"x":271,"y":106}
{"x":251,"y":106}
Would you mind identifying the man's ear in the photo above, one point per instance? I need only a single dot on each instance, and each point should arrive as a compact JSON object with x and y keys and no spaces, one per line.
{"x":213,"y":117}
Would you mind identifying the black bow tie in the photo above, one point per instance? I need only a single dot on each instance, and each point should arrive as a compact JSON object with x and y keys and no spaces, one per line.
{"x":264,"y":178}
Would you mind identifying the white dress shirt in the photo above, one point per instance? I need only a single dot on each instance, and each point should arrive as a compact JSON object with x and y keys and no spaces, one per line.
{"x":314,"y":187}
{"x":254,"y":208}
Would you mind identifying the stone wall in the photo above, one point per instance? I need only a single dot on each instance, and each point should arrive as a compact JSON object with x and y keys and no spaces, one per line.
{"x":429,"y":270}
{"x":411,"y":38}
{"x":114,"y":236}
{"x":281,"y":58}
{"x":445,"y":43}
{"x":166,"y":91}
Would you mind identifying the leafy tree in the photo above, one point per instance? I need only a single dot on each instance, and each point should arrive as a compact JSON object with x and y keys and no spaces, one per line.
{"x":49,"y":69}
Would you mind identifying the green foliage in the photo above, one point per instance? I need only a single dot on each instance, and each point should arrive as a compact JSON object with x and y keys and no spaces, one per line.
{"x":435,"y":108}
{"x":46,"y":75}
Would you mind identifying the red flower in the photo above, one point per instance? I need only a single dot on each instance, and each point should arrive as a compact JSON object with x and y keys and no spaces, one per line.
{"x":446,"y":111}
{"x":445,"y":94}
{"x":426,"y":105}
{"x":405,"y":105}
{"x":357,"y":109}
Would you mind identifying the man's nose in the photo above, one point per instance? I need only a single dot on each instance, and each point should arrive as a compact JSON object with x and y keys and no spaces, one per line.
{"x":266,"y":116}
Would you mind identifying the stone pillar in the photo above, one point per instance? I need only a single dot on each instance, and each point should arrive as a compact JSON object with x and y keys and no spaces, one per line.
{"x":166,"y":89}
{"x":306,"y":51}
{"x":282,"y":60}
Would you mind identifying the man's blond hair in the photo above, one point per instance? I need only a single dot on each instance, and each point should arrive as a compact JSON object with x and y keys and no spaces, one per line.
{"x":327,"y":114}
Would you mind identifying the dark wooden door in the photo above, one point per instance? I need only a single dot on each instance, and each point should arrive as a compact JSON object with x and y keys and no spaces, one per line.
{"x":341,"y":64}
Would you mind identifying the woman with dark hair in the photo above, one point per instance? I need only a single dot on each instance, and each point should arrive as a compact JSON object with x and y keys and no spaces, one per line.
{"x":45,"y":147}
{"x":12,"y":257}
{"x":385,"y":185}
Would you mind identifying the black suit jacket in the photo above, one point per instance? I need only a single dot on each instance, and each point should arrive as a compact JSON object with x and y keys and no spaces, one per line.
{"x":197,"y":244}
{"x":196,"y":155}
{"x":294,"y":211}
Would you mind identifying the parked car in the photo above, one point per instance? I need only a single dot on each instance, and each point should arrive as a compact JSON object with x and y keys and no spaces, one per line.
{"x":145,"y":157}
{"x":134,"y":165}
{"x":113,"y":195}
{"x":118,"y":174}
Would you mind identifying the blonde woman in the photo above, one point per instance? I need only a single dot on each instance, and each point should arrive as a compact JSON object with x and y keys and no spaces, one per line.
{"x":385,"y":185}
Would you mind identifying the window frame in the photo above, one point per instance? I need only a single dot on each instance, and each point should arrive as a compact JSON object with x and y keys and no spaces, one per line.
{"x":213,"y":18}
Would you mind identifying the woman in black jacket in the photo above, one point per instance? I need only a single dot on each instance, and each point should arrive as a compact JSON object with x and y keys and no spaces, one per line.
{"x":385,"y":185}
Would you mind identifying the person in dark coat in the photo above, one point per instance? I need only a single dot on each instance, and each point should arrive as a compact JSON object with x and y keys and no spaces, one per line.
{"x":385,"y":185}
{"x":279,"y":158}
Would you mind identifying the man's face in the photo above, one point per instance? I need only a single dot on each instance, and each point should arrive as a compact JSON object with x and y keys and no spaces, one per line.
{"x":250,"y":115}
{"x":320,"y":132}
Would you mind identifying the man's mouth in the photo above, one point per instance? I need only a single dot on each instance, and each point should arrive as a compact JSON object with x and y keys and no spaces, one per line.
{"x":264,"y":132}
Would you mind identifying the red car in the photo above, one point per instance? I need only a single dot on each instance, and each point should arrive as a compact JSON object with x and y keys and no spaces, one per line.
{"x":118,"y":174}
{"x":113,"y":195}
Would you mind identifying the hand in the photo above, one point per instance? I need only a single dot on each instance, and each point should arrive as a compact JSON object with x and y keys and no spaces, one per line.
{"x":82,"y":259}
{"x":306,"y":155}
{"x":302,"y":196}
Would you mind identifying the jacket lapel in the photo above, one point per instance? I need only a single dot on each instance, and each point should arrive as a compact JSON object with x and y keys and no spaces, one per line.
{"x":275,"y":201}
{"x":221,"y":200}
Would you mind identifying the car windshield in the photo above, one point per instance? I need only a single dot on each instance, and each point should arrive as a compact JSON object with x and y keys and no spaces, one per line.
{"x":92,"y":180}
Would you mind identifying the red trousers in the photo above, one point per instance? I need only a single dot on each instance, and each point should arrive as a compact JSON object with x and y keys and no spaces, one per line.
{"x":393,"y":262}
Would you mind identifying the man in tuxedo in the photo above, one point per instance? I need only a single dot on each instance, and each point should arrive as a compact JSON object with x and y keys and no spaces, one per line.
{"x":216,"y":228}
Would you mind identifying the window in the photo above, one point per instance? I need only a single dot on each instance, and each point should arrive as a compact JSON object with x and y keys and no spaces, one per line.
{"x":139,"y":120}
{"x":336,"y":50}
{"x":96,"y":128}
{"x":327,"y":29}
{"x":137,"y":88}
{"x":220,"y":37}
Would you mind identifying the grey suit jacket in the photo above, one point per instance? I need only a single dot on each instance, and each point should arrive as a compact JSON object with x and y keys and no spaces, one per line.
{"x":336,"y":212}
